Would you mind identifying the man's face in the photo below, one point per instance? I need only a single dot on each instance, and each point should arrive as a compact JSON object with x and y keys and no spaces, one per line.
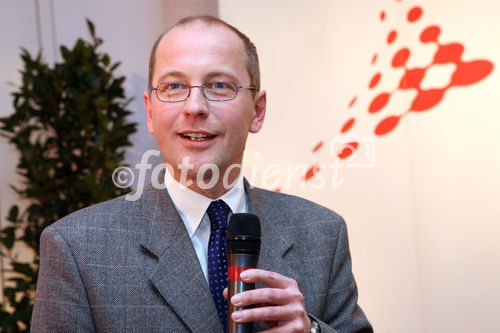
{"x":197,"y":54}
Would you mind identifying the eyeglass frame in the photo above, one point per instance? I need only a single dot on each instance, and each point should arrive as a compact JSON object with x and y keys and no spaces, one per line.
{"x":202,"y":87}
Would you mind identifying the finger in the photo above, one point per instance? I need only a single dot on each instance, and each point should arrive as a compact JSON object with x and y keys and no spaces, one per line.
{"x":272,"y":279}
{"x":268,"y":313}
{"x":271,"y":296}
{"x":224,"y":293}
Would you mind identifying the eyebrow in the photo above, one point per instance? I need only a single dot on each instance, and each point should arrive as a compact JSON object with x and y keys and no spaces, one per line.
{"x":170,"y":73}
{"x":222,"y":73}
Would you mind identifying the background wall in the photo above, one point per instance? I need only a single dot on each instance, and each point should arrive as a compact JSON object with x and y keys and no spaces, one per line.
{"x":421,"y":201}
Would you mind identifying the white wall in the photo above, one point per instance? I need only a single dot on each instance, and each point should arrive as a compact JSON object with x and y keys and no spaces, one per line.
{"x":18,"y":26}
{"x":423,"y":220}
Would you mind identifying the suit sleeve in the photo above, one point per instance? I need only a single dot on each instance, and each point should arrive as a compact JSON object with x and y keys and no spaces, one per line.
{"x":342,"y":313}
{"x":61,"y":301}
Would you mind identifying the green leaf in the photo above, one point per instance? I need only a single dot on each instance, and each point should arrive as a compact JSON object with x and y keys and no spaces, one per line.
{"x":91,"y":27}
{"x":115,"y":66}
{"x":7,"y":237}
{"x":13,"y":213}
{"x":70,"y":128}
{"x":21,"y":284}
{"x":105,"y":59}
{"x":22,"y":268}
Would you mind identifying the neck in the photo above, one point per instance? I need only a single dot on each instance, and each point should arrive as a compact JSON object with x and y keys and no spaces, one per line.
{"x":205,"y":186}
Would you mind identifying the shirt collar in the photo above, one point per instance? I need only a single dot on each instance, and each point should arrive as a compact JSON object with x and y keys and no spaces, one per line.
{"x":192,"y":206}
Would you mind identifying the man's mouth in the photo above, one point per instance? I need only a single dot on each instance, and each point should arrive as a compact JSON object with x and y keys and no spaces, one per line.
{"x":197,"y":136}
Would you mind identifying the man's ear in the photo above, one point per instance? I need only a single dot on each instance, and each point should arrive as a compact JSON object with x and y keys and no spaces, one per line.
{"x":259,"y":111}
{"x":149,"y":111}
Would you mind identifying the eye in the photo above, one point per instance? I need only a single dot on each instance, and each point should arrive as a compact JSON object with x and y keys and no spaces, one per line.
{"x":175,"y":86}
{"x":171,"y":86}
{"x":220,"y":90}
{"x":218,"y":85}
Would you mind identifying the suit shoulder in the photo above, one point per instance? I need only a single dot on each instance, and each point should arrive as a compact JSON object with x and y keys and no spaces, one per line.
{"x":114,"y":213}
{"x":293,"y":207}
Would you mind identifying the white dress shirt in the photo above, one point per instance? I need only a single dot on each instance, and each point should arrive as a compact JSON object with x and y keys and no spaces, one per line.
{"x":192,"y":208}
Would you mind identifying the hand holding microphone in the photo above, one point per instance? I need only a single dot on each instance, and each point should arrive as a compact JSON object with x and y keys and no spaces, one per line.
{"x":243,"y":247}
{"x":281,"y":304}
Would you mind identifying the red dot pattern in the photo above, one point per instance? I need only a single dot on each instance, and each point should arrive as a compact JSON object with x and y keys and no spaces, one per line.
{"x":379,"y":102}
{"x":348,"y":149}
{"x":311,"y":172}
{"x":400,"y":58}
{"x":414,"y":14}
{"x":351,"y":103}
{"x":318,"y":146}
{"x":466,"y":73}
{"x":412,"y":78}
{"x":387,"y":125}
{"x":430,"y":34}
{"x":392,"y":36}
{"x":375,"y":80}
{"x":347,"y":126}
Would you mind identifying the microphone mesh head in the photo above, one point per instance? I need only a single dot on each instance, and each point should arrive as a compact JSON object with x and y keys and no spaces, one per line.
{"x":243,"y":225}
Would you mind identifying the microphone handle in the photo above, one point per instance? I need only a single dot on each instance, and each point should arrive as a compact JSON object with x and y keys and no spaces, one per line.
{"x":238,"y":262}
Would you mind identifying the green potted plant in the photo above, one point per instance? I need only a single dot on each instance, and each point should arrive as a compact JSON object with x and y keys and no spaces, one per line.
{"x":70,"y":128}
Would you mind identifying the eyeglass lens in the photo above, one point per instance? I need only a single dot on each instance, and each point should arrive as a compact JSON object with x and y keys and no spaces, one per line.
{"x":213,"y":91}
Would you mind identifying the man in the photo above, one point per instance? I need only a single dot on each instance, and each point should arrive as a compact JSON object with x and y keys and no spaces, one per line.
{"x":148,"y":265}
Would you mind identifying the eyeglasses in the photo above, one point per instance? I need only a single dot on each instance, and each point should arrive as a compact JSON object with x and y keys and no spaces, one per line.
{"x":218,"y":91}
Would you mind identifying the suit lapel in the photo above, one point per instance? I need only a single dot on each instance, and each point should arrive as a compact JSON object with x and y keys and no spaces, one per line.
{"x":177,"y":276}
{"x":275,"y":243}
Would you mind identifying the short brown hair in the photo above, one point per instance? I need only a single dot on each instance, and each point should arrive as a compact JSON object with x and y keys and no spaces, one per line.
{"x":252,"y":60}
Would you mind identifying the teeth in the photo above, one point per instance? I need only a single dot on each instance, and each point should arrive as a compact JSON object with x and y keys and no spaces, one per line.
{"x":196,"y":136}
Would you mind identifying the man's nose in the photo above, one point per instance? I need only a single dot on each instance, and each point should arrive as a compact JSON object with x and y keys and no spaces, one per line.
{"x":196,"y":104}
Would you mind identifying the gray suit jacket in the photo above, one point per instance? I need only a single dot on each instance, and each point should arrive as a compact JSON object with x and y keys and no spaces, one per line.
{"x":123,"y":266}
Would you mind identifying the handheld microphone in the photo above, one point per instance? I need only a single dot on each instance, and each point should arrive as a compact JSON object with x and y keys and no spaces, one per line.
{"x":243,"y":248}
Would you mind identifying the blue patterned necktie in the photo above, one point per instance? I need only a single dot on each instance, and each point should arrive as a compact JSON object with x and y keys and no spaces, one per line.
{"x":217,"y":261}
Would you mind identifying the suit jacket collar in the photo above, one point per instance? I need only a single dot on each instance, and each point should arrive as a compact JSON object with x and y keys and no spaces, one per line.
{"x":275,"y":241}
{"x":178,"y":276}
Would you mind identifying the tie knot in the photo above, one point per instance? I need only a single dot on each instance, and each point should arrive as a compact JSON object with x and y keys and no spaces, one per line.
{"x":218,"y":212}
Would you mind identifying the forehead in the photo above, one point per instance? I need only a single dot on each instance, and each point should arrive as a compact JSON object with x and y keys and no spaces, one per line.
{"x":199,"y":48}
